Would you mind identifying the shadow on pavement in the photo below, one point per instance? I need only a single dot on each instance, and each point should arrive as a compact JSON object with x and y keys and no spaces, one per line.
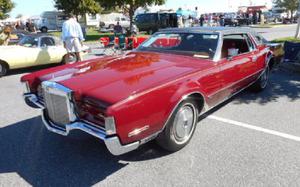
{"x":281,"y":84}
{"x":46,"y":159}
{"x":30,"y":69}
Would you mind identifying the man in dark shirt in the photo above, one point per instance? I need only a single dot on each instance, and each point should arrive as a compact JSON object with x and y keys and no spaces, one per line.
{"x":118,"y":29}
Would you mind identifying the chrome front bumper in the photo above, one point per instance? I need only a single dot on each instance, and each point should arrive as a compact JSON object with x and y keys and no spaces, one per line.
{"x":112,"y":143}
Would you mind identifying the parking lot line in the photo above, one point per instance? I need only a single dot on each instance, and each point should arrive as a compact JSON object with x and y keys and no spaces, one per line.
{"x":252,"y":127}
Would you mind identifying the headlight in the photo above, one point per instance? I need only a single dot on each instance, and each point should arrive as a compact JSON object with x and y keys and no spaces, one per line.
{"x":26,"y":88}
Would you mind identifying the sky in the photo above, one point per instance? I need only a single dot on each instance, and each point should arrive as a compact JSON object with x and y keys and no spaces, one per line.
{"x":36,"y":7}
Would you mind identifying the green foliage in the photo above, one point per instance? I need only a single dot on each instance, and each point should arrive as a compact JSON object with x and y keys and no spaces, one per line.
{"x":78,"y":7}
{"x":290,"y":5}
{"x":287,"y":39}
{"x":5,"y":7}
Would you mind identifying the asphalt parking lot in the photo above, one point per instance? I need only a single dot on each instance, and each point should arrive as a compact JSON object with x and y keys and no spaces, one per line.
{"x":251,"y":140}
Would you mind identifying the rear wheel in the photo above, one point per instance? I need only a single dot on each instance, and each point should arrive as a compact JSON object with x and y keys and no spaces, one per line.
{"x":44,"y":29}
{"x":3,"y":69}
{"x":69,"y":59}
{"x":262,"y":82}
{"x":180,"y":128}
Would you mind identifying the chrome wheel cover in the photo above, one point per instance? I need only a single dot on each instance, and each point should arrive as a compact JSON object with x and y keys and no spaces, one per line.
{"x":264,"y":78}
{"x":184,"y":123}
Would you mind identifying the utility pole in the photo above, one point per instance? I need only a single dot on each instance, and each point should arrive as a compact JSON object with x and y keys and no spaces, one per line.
{"x":298,"y":21}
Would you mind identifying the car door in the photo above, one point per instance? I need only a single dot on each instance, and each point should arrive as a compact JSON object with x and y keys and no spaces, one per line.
{"x":50,"y":53}
{"x":236,"y":64}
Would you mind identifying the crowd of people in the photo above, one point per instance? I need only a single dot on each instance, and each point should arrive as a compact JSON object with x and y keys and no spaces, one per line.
{"x":6,"y":32}
{"x":218,"y":19}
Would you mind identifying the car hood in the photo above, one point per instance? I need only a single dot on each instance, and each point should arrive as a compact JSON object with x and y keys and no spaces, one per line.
{"x":116,"y":78}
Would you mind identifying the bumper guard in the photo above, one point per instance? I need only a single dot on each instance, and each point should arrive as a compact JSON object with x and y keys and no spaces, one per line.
{"x":112,"y":143}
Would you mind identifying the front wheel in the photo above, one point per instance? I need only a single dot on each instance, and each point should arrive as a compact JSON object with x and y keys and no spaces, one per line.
{"x":180,"y":127}
{"x":262,"y":82}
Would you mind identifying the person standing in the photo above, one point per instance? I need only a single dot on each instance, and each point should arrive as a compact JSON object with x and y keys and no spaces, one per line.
{"x":190,"y":21}
{"x":5,"y":35}
{"x":202,"y":19}
{"x":180,"y":22}
{"x":118,"y":29}
{"x":72,"y":37}
{"x":30,"y":27}
{"x":221,"y":20}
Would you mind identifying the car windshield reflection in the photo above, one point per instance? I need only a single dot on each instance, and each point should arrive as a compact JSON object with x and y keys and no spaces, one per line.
{"x":199,"y":45}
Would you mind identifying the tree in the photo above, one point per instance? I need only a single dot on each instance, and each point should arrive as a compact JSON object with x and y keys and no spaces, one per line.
{"x":5,"y":7}
{"x":78,"y":7}
{"x":289,"y":5}
{"x":130,"y":6}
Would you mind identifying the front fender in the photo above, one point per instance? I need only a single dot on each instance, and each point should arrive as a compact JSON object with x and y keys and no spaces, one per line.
{"x":151,"y":110}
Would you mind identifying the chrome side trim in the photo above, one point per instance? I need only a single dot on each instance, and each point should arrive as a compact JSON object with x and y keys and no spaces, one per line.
{"x":239,"y":81}
{"x":232,"y":95}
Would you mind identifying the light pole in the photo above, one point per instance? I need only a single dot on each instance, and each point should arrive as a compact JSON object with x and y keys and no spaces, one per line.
{"x":298,"y":21}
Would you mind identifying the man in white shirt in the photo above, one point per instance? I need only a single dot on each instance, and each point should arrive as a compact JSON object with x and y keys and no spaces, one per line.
{"x":72,"y":37}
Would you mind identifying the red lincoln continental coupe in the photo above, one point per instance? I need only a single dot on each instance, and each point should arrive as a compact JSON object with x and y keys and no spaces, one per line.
{"x":154,"y":92}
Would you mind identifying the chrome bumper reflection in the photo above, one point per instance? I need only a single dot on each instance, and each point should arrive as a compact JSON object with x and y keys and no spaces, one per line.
{"x":112,"y":143}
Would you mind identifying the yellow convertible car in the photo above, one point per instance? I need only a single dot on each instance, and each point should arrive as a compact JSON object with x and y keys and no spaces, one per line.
{"x":33,"y":50}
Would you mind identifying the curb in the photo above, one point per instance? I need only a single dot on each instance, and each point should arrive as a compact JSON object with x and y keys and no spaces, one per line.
{"x":294,"y":67}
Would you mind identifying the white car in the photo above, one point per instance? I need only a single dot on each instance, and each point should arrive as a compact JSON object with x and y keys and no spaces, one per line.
{"x":33,"y":50}
{"x":108,"y":21}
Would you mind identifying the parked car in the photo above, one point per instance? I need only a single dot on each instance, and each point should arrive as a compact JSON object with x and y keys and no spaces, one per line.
{"x":152,"y":22}
{"x":236,"y":21}
{"x":16,"y":36}
{"x":156,"y":92}
{"x":108,"y":21}
{"x":33,"y":50}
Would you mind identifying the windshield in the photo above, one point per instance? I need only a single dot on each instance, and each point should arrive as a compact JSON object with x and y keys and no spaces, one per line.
{"x":29,"y":41}
{"x":192,"y":44}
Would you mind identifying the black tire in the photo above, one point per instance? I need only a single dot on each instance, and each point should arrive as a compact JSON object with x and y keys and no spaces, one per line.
{"x":169,"y":138}
{"x":262,"y":82}
{"x":67,"y":61}
{"x":44,"y":29}
{"x":3,"y":68}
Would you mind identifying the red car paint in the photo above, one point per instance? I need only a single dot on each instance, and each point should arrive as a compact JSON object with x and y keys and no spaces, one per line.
{"x":142,"y":88}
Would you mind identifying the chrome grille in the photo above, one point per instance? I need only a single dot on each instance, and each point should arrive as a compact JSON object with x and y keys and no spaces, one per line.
{"x":57,"y":104}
